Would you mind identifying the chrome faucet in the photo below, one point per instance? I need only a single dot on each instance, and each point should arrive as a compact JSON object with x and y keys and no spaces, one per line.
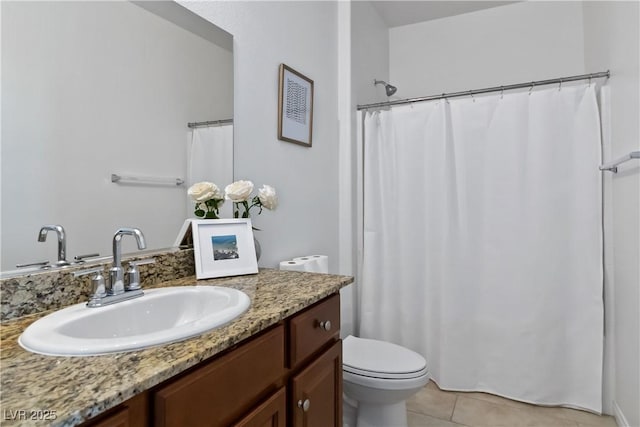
{"x":62,"y":242}
{"x":116,"y":273}
{"x":113,"y":290}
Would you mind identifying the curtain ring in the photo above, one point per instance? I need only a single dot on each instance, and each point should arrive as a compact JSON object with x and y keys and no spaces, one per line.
{"x":532,"y":86}
{"x":560,"y":86}
{"x":501,"y":92}
{"x":590,"y":77}
{"x":471,"y":94}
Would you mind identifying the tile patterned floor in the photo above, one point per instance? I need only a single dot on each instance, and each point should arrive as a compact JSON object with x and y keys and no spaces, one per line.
{"x":432,"y":407}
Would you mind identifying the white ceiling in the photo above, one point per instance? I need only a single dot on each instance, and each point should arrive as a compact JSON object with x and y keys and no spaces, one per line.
{"x":397,"y":13}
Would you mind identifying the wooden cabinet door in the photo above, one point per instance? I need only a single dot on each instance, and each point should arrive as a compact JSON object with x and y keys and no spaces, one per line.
{"x":223,"y":390}
{"x":317,"y":391}
{"x":271,"y":413}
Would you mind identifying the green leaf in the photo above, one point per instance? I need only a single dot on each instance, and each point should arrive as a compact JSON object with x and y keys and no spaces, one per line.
{"x":199,"y":213}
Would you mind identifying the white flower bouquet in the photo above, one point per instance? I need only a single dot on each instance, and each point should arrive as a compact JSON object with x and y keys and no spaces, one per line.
{"x":208,"y":199}
{"x":239,"y":193}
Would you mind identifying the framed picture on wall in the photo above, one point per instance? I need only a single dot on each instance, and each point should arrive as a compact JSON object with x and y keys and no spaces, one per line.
{"x":295,"y":107}
{"x":223,"y":247}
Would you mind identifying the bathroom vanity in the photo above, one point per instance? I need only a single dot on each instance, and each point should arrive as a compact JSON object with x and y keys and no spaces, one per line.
{"x":278,"y":364}
{"x":292,"y":371}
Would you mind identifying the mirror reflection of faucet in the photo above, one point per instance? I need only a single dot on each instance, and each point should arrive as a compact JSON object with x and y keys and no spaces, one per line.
{"x":62,"y":242}
{"x":62,"y":250}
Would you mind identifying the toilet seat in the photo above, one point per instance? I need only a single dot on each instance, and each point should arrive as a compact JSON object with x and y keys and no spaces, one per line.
{"x":384,"y":375}
{"x":381,"y":360}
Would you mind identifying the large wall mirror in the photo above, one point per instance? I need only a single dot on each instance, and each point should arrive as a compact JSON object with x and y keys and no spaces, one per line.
{"x":91,"y":89}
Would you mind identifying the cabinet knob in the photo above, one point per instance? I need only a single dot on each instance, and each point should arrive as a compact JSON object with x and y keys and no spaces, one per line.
{"x":325,"y":325}
{"x":304,"y":404}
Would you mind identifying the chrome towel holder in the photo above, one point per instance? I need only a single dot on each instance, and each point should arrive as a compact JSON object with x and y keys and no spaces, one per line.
{"x":131,"y":179}
{"x":613,"y":166}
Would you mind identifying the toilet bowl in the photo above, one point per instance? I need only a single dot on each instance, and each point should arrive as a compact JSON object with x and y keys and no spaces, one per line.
{"x":380,"y":377}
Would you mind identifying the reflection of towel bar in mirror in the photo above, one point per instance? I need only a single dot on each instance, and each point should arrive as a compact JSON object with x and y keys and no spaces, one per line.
{"x":209,"y":123}
{"x":613,"y":166}
{"x":130,"y":179}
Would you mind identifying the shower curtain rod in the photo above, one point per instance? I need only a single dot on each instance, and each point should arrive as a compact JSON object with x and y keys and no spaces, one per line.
{"x":209,"y":123}
{"x":487,"y":90}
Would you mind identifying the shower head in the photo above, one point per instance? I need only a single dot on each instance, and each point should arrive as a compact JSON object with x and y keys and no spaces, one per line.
{"x":390,"y":89}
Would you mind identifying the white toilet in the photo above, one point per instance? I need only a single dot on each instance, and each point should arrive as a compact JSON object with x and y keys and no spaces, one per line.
{"x":381,"y":376}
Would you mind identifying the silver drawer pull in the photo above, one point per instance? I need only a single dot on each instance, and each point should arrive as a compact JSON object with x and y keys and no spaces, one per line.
{"x":304,"y":405}
{"x":325,"y":325}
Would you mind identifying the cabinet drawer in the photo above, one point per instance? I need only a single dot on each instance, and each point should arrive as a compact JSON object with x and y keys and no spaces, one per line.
{"x":225,"y":388}
{"x":131,"y":413}
{"x":308,"y":330}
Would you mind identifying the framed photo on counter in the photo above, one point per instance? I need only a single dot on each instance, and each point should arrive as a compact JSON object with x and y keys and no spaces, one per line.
{"x":223,"y":247}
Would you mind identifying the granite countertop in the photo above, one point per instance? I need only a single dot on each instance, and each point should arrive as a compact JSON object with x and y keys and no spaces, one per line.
{"x":75,"y":389}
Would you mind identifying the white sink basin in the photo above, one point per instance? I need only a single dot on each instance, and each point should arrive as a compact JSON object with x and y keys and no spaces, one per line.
{"x":160,"y":316}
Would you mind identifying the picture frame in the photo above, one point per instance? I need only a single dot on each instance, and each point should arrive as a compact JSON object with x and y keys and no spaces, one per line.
{"x":223,"y":247}
{"x":185,"y":236}
{"x":295,"y":107}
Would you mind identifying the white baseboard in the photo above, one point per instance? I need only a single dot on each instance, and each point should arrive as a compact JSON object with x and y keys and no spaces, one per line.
{"x":621,"y":420}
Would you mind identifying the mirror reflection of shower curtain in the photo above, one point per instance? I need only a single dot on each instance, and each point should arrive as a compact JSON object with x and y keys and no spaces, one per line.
{"x":210,"y":158}
{"x":483,"y":242}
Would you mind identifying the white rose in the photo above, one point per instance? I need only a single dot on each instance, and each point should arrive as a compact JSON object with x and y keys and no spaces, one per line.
{"x":268,"y":197}
{"x":239,"y":191}
{"x":203,"y":191}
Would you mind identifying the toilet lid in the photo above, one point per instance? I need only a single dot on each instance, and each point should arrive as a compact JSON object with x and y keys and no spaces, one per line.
{"x":380,"y":359}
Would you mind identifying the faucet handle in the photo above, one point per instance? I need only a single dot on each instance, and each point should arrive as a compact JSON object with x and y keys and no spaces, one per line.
{"x":80,"y":259}
{"x":80,"y":273}
{"x":98,"y":286}
{"x":133,"y":274}
{"x":43,"y":264}
{"x":143,"y":261}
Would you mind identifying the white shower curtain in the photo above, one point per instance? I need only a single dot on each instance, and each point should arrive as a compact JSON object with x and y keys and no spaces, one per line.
{"x":483,"y":242}
{"x":210,"y":158}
